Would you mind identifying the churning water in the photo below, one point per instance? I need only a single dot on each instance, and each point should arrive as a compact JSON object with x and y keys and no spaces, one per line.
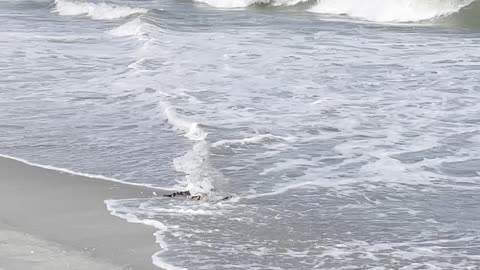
{"x":348,"y":132}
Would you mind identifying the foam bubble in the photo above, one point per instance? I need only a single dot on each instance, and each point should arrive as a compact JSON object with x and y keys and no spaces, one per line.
{"x":100,"y":11}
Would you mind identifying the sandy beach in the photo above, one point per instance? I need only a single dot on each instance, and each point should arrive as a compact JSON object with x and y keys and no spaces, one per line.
{"x":52,"y":220}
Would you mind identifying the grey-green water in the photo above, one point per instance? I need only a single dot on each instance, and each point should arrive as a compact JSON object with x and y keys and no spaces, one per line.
{"x":347,"y":131}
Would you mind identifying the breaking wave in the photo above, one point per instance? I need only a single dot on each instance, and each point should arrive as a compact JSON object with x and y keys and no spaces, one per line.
{"x":135,"y":27}
{"x":457,"y":12}
{"x":96,"y":11}
{"x":191,"y":129}
{"x":468,"y":16}
{"x":392,"y":10}
{"x":200,"y":178}
{"x":246,"y":3}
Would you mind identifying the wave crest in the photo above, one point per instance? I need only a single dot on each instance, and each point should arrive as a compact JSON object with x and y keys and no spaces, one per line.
{"x":100,"y":11}
{"x":391,"y":10}
{"x":468,"y":16}
{"x":246,"y":3}
{"x":135,"y":27}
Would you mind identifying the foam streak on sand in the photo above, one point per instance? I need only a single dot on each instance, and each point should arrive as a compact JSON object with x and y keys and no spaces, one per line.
{"x":87,"y":175}
{"x":116,"y":208}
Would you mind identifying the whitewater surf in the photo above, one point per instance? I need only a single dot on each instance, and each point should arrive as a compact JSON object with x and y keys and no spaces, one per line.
{"x":453,"y":12}
{"x":343,"y":133}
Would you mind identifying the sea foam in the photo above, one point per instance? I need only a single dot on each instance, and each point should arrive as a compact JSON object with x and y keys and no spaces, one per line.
{"x":390,"y":10}
{"x":96,"y":11}
{"x":191,"y":129}
{"x":86,"y":175}
{"x":250,"y":140}
{"x":200,"y":177}
{"x":246,"y":3}
{"x":117,"y":209}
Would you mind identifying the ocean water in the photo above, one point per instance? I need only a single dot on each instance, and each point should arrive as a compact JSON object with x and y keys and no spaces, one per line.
{"x":347,"y":132}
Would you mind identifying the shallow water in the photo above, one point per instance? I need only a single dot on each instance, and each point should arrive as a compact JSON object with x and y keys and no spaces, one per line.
{"x":347,"y":142}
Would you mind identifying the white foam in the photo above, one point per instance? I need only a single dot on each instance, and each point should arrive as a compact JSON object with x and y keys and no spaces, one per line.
{"x":116,"y":209}
{"x":131,"y":28}
{"x":96,"y":11}
{"x":191,"y":129}
{"x":246,"y":3}
{"x":195,"y":165}
{"x":229,"y":3}
{"x":185,"y":211}
{"x":87,"y":175}
{"x":251,"y":140}
{"x":390,"y":10}
{"x":200,"y":177}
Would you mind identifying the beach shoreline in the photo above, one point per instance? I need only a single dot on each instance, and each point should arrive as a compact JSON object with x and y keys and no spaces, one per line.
{"x":57,"y":220}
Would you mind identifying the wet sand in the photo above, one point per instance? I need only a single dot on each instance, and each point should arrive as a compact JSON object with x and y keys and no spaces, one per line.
{"x":53,"y":220}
